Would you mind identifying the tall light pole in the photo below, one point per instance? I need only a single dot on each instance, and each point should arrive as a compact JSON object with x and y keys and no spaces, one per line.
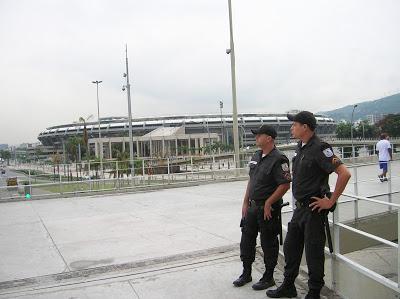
{"x":98,"y":119}
{"x":351,"y":131}
{"x":231,"y":51}
{"x":221,"y":105}
{"x":244,"y":133}
{"x":128,"y":91}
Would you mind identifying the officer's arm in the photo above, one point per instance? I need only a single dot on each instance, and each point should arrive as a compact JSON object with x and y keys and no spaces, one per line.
{"x":246,"y":195}
{"x":278,"y":194}
{"x":329,"y":163}
{"x":246,"y":199}
{"x":341,"y":182}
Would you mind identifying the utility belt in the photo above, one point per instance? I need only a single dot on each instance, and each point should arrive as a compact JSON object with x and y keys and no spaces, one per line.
{"x":261,"y":203}
{"x":257,"y":203}
{"x":303,"y":203}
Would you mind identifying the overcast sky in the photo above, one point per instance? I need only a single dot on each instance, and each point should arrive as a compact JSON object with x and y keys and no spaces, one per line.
{"x":315,"y":55}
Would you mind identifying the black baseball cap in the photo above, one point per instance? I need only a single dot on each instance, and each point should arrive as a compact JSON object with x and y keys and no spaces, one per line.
{"x":267,"y":130}
{"x":305,"y":118}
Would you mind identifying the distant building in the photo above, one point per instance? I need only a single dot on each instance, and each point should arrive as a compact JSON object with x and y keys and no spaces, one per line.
{"x":3,"y":146}
{"x":188,"y":131}
{"x":375,"y":118}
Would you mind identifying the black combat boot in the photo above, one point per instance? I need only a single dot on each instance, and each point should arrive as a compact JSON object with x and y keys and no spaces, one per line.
{"x":266,"y":281}
{"x":285,"y":290}
{"x":313,"y":294}
{"x":244,"y":278}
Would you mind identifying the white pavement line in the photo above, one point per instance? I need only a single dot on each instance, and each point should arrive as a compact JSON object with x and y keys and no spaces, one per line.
{"x":51,"y":238}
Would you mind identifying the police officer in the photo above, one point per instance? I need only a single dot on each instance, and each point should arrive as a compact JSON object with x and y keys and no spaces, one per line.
{"x":269,"y":180}
{"x":314,"y":160}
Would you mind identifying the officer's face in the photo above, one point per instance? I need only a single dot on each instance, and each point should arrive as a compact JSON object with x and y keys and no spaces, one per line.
{"x":298,"y":130}
{"x":262,"y":139}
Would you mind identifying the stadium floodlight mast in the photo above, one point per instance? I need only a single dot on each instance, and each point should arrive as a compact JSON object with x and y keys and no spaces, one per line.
{"x":127,"y":87}
{"x":98,"y":119}
{"x":231,"y":52}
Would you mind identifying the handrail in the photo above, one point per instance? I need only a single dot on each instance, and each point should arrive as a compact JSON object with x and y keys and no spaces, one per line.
{"x":368,"y":235}
{"x":371,"y":274}
{"x":371,"y":200}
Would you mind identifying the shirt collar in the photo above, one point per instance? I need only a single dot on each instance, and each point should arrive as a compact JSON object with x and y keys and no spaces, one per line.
{"x":261,"y":153}
{"x":310,"y":141}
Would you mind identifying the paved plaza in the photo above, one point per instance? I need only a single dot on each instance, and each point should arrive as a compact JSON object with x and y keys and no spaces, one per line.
{"x":172,"y":243}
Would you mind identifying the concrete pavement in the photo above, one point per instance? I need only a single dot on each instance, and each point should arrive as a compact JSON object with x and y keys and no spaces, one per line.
{"x":52,"y":239}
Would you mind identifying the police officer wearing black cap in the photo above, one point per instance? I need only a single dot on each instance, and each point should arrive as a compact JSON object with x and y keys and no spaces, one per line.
{"x":269,"y":180}
{"x":313,"y":162}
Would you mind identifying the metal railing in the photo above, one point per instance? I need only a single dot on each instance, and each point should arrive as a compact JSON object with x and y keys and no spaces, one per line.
{"x":206,"y":169}
{"x":337,"y":225}
{"x":43,"y":181}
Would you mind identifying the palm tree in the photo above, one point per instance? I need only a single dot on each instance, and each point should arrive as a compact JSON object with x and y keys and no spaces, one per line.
{"x":72,"y":147}
{"x":56,"y":160}
{"x":83,"y":121}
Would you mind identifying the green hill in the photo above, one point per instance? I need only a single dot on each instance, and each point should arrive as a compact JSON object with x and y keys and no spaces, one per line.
{"x":386,"y":105}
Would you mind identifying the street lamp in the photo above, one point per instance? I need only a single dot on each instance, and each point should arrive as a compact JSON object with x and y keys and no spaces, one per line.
{"x":351,"y":131}
{"x":98,"y":119}
{"x":221,"y":105}
{"x":128,"y":88}
{"x":231,"y":52}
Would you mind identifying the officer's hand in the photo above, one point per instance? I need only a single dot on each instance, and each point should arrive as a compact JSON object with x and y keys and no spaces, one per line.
{"x":267,"y":211}
{"x":245,"y":207}
{"x":321,"y":204}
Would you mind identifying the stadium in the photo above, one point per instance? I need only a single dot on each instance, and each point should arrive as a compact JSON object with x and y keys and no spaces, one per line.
{"x":174,"y":135}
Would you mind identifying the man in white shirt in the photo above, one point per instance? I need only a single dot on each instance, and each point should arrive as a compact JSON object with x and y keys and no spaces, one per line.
{"x":384,"y":152}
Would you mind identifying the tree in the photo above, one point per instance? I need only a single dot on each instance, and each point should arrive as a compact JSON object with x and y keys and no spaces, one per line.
{"x":72,"y":147}
{"x":6,"y":155}
{"x":38,"y":153}
{"x":391,"y":125}
{"x":343,"y":130}
{"x":366,"y":130}
{"x":83,"y":121}
{"x":56,"y":160}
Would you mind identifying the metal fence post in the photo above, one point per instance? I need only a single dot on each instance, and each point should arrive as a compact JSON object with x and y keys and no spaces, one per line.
{"x":355,"y":192}
{"x":389,"y":176}
{"x":191,"y":165}
{"x":336,"y":247}
{"x":398,"y":248}
{"x":59,"y":177}
{"x":168,"y":171}
{"x":117,"y":173}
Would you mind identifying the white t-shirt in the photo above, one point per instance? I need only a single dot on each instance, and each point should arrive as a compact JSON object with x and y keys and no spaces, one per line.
{"x":382,"y":146}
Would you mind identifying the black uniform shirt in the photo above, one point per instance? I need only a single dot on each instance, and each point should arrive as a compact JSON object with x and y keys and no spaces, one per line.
{"x":267,"y":173}
{"x":312,"y":165}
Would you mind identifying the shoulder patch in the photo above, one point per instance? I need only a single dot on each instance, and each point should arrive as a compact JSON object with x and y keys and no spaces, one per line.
{"x":285,"y":167}
{"x":328,"y":152}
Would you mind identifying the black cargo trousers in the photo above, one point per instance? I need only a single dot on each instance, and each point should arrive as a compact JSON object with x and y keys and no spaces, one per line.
{"x":252,"y":224}
{"x":306,"y":230}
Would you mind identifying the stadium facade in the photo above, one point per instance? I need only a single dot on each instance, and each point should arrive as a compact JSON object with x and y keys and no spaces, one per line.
{"x":168,"y":135}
